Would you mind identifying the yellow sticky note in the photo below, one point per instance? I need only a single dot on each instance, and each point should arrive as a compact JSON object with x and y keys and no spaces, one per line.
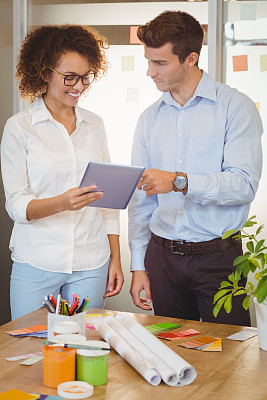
{"x":240,"y":63}
{"x":257,"y":105}
{"x":127,"y":63}
{"x":263,"y":62}
{"x":215,"y":346}
{"x":17,"y":394}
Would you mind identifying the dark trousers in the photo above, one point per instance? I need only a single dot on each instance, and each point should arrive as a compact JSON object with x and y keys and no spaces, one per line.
{"x":183,"y":286}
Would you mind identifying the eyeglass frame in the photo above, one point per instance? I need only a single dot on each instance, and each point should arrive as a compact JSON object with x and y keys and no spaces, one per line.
{"x":78,"y":77}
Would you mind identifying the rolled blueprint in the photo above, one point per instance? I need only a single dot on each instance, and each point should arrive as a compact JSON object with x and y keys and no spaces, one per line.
{"x":133,"y":357}
{"x":186,"y":373}
{"x":147,"y":354}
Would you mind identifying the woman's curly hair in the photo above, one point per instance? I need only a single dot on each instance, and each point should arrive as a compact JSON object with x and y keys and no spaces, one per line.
{"x":43,"y":47}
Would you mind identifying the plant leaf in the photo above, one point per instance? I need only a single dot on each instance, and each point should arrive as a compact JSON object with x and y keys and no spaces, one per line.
{"x":218,"y":306}
{"x":262,"y":293}
{"x":254,"y":261}
{"x":246,"y":302}
{"x":228,"y":304}
{"x":260,"y":228}
{"x":240,"y":259}
{"x":229,"y":233}
{"x":220,"y":294}
{"x":225,"y":284}
{"x":250,"y":246}
{"x":258,"y":245}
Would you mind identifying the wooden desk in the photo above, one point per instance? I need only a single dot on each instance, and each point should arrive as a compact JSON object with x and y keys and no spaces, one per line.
{"x":239,"y":372}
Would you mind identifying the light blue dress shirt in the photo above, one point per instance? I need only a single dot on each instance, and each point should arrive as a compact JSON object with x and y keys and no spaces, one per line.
{"x":216,"y":139}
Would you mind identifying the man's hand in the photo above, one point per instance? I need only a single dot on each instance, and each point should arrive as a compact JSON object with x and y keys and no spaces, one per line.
{"x":140,"y":281}
{"x":155,"y":181}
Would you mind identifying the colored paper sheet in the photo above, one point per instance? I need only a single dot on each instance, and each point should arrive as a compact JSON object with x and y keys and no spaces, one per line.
{"x":32,"y":360}
{"x":133,"y":35}
{"x":247,"y":333}
{"x":248,"y":12}
{"x":240,"y":63}
{"x":263,"y":62}
{"x":23,"y":356}
{"x":199,"y":343}
{"x":161,"y":327}
{"x":127,"y":63}
{"x":215,"y":346}
{"x":132,"y":95}
{"x":49,"y":397}
{"x":25,"y":331}
{"x":177,"y":335}
{"x":17,"y":394}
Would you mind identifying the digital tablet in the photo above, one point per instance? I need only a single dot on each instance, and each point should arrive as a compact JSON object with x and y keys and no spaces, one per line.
{"x":116,"y":181}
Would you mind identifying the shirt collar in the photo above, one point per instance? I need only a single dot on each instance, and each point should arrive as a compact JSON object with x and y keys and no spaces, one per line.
{"x":206,"y":88}
{"x":41,"y":113}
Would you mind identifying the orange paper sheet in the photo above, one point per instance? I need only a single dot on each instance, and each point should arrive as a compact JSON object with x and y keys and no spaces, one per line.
{"x":30,"y":329}
{"x":18,"y":395}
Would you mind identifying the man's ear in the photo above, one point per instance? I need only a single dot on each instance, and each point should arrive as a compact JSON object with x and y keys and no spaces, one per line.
{"x":192,"y":59}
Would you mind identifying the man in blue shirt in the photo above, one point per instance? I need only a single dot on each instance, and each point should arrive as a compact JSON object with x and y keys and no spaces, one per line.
{"x":201,"y":146}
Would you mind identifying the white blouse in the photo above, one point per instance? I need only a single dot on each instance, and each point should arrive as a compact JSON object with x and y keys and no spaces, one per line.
{"x":39,"y":159}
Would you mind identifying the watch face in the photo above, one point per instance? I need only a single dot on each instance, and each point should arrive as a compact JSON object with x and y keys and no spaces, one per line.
{"x":180,"y":182}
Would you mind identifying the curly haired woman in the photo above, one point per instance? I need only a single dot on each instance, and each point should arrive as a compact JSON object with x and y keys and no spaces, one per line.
{"x":58,"y":244}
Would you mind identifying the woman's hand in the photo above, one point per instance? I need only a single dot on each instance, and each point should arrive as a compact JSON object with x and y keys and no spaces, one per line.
{"x":75,"y":198}
{"x":115,"y":278}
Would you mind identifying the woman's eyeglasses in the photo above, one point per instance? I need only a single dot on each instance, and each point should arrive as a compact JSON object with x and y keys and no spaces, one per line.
{"x":72,"y":80}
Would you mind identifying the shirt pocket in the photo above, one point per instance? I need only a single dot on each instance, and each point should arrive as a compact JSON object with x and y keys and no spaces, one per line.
{"x":204,"y":155}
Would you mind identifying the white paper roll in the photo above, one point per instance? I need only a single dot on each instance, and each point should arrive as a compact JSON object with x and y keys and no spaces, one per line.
{"x":186,"y":373}
{"x":146,"y":353}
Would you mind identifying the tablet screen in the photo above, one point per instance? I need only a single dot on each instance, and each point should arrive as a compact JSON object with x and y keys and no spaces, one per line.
{"x":116,"y":181}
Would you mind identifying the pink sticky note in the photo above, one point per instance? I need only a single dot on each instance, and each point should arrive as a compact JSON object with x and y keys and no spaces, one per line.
{"x":240,"y":63}
{"x":133,"y":35}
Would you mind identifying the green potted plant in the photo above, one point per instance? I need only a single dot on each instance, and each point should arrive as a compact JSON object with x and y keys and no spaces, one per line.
{"x":253,"y":261}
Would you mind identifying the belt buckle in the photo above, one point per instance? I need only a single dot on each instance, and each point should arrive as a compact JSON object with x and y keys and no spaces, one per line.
{"x":172,"y":247}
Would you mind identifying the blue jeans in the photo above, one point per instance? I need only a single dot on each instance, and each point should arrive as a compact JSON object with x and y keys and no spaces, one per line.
{"x":29,"y":285}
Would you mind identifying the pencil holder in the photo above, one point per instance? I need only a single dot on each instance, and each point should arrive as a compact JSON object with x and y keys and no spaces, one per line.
{"x":80,"y":318}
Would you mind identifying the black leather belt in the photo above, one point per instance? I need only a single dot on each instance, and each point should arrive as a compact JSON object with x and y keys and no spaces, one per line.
{"x":184,"y":248}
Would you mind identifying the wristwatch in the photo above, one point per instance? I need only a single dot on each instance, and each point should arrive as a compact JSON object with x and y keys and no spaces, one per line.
{"x":180,"y":182}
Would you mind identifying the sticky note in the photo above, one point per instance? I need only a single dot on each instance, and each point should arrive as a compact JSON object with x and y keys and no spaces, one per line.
{"x":133,"y":35}
{"x":240,"y":63}
{"x":257,"y":105}
{"x":263,"y":62}
{"x":17,"y":394}
{"x":127,"y":63}
{"x":248,"y":11}
{"x":132,"y":95}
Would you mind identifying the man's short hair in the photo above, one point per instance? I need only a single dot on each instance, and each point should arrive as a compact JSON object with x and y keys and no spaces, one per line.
{"x":179,"y":28}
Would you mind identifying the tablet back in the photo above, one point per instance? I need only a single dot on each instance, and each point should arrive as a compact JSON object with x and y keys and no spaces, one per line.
{"x":117,"y":182}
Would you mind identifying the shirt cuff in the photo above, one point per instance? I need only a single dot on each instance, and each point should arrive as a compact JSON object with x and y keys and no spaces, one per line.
{"x":19,"y":213}
{"x":112,"y":227}
{"x":137,"y":262}
{"x":196,"y":186}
